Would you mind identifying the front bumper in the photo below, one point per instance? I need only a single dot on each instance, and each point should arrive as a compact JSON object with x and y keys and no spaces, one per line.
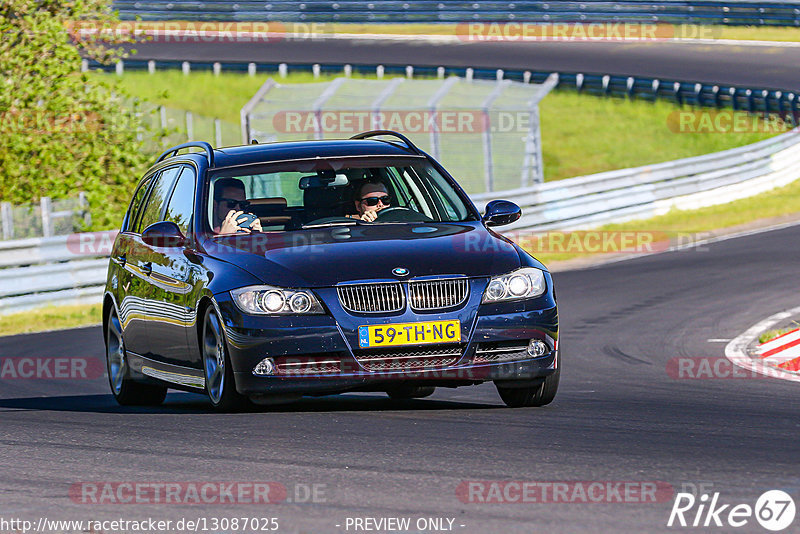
{"x":488,"y":353}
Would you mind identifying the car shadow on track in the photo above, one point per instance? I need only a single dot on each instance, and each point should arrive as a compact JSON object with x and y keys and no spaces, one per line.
{"x":190,"y":403}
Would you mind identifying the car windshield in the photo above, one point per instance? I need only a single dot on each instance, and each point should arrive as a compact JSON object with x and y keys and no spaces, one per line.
{"x":294,"y":195}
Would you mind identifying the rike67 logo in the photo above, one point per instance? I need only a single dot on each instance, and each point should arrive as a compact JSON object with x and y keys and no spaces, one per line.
{"x":774,"y":510}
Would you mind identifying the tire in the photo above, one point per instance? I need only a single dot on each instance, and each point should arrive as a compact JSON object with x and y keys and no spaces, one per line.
{"x":126,"y":392}
{"x":539,"y":395}
{"x":217,"y":371}
{"x":410,"y":392}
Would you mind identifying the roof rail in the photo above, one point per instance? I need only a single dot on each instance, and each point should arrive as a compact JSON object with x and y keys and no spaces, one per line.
{"x":376,"y":133}
{"x":193,"y":144}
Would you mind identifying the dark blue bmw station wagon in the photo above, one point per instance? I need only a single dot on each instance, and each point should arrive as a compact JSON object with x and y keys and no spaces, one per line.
{"x":261,"y":273}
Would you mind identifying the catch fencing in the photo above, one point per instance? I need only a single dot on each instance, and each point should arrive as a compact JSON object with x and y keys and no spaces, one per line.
{"x":732,"y":12}
{"x":35,"y":272}
{"x":45,"y":219}
{"x":485,"y":132}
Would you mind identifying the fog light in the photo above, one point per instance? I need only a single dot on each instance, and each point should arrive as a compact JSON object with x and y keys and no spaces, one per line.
{"x":537,"y":348}
{"x":265,"y":367}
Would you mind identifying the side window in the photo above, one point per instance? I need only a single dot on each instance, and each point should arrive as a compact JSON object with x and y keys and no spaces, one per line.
{"x":157,"y":199}
{"x":136,"y":204}
{"x":181,"y":203}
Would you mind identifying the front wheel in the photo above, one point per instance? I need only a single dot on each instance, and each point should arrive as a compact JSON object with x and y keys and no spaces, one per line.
{"x":538,"y":395}
{"x":126,"y":392}
{"x":220,"y":386}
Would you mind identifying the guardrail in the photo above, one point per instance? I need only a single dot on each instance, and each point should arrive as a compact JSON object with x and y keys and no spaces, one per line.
{"x":68,"y":269}
{"x":52,"y":271}
{"x":652,"y":190}
{"x":733,"y":12}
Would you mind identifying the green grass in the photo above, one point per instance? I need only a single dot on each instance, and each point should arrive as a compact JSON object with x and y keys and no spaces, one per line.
{"x":50,"y":318}
{"x":582,"y":134}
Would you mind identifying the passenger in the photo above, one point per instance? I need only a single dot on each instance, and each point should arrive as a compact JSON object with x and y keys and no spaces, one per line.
{"x":230,"y":203}
{"x":372,"y":197}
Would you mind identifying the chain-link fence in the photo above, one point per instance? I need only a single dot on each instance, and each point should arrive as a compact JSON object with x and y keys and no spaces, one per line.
{"x":46,"y":218}
{"x":486,"y":133}
{"x":181,"y":126}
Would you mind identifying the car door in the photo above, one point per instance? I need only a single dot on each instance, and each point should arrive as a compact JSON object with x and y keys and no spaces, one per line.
{"x":172,"y":278}
{"x":128,"y":285}
{"x":147,"y":263}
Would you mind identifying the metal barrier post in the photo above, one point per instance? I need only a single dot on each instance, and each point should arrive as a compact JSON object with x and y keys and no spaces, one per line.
{"x":7,"y":217}
{"x":189,"y":126}
{"x":433,"y":104}
{"x":47,"y":229}
{"x":488,"y":163}
{"x":83,"y":202}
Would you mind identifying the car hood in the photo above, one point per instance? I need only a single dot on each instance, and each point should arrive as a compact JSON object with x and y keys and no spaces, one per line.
{"x":326,"y":256}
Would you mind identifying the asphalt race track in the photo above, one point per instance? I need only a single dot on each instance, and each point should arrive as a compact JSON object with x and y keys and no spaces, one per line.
{"x":619,"y":415}
{"x":749,"y":66}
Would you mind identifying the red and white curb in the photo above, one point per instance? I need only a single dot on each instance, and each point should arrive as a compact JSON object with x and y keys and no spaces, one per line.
{"x":783,"y":352}
{"x":777,"y":358}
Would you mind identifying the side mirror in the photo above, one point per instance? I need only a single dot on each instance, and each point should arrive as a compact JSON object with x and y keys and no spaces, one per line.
{"x":501,"y":212}
{"x":163,"y":234}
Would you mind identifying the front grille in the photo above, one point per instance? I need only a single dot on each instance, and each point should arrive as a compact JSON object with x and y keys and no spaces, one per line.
{"x":410,"y":360}
{"x":437,"y":294}
{"x":372,"y":298}
{"x":500,"y":352}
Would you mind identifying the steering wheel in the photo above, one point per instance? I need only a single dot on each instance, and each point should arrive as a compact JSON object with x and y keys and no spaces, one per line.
{"x":401,"y":214}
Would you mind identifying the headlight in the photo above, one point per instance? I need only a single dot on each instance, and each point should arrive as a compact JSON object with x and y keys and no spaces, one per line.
{"x":523,"y":283}
{"x":268,"y":300}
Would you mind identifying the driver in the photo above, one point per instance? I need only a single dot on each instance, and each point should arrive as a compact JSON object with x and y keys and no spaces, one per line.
{"x":230,"y":203}
{"x":371,"y":198}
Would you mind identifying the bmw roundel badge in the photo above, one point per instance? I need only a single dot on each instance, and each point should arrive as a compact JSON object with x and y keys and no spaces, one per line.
{"x":400,"y":271}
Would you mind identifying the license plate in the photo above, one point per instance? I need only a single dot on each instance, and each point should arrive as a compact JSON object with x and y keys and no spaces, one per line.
{"x":386,"y":335}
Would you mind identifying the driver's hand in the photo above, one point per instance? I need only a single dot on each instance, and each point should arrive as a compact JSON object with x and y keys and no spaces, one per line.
{"x":256,"y":225}
{"x":229,"y":224}
{"x":369,"y":216}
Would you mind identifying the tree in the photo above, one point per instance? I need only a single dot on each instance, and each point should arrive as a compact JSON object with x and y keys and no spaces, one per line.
{"x":61,"y":130}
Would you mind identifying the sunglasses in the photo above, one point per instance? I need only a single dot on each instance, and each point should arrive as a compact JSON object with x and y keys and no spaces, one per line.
{"x":373,"y":201}
{"x":232,"y":203}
